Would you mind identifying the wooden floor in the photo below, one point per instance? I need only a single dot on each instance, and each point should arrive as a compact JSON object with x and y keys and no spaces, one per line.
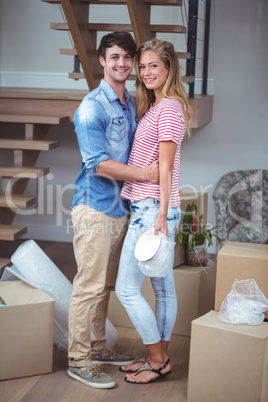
{"x":57,"y":386}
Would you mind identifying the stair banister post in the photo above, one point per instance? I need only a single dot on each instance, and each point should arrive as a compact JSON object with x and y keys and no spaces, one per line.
{"x":206,"y":48}
{"x":191,"y":42}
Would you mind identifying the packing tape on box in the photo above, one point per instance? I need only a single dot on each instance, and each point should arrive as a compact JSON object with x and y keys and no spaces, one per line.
{"x":33,"y":266}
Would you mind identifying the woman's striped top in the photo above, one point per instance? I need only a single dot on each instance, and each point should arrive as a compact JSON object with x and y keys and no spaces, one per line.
{"x":163,"y":122}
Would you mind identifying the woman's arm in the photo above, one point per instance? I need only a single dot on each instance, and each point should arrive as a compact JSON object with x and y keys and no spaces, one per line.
{"x":167,"y":151}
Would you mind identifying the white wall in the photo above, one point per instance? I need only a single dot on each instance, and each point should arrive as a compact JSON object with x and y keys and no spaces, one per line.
{"x":235,"y":139}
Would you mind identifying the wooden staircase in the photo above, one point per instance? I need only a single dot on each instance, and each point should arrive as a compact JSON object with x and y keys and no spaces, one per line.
{"x":46,"y":111}
{"x":84,"y":35}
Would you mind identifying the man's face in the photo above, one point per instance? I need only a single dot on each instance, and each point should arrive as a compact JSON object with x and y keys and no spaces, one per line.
{"x":117,"y":65}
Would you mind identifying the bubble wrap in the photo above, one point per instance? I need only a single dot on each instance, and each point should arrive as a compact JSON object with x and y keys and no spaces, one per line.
{"x":33,"y":266}
{"x":245,"y":304}
{"x":160,"y":265}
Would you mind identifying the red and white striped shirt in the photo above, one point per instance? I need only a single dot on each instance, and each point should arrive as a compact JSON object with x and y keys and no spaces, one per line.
{"x":163,"y":122}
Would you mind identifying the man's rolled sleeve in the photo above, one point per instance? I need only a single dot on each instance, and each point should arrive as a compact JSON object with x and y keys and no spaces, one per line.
{"x":90,"y":128}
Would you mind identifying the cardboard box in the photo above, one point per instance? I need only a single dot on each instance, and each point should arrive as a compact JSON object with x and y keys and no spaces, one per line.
{"x":241,"y":261}
{"x":195,"y":293}
{"x":187,"y":197}
{"x":227,"y":362}
{"x":26,"y":336}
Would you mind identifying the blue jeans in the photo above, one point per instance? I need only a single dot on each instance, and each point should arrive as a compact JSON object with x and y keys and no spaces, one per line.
{"x":152,"y":327}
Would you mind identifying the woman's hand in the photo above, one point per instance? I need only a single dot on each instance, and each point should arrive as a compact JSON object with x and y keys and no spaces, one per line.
{"x":160,"y":225}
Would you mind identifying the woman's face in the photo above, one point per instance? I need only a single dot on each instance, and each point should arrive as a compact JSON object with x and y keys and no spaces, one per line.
{"x":152,"y":70}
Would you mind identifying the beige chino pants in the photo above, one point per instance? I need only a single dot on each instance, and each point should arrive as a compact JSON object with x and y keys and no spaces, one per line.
{"x":98,"y":240}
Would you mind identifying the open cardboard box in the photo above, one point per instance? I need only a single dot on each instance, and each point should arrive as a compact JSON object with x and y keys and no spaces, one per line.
{"x":26,"y":335}
{"x":227,"y":362}
{"x":187,"y":197}
{"x":237,"y":260}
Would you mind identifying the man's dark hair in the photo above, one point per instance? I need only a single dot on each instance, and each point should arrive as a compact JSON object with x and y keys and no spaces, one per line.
{"x":121,"y":39}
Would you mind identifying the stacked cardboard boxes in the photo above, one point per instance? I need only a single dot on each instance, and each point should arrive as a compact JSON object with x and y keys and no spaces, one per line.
{"x":230,"y":362}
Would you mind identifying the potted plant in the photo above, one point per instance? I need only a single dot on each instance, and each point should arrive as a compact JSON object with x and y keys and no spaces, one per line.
{"x":195,"y":236}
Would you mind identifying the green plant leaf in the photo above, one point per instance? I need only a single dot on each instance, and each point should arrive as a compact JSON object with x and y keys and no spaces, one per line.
{"x":209,"y":239}
{"x":189,"y":212}
{"x":190,"y":242}
{"x":196,"y":234}
{"x":219,"y":240}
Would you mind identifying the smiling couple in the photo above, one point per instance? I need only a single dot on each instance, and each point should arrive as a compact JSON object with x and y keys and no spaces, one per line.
{"x":125,"y":167}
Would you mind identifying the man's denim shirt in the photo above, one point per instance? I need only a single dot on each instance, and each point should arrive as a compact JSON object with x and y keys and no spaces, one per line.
{"x":105,"y":129}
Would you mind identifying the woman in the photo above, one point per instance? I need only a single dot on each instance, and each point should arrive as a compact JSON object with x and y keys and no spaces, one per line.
{"x":164,"y":116}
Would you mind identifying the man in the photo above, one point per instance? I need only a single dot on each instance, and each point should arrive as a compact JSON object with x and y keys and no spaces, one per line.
{"x":105,"y":124}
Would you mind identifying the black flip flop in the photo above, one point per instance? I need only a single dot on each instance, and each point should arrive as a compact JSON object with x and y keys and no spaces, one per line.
{"x":148,"y":367}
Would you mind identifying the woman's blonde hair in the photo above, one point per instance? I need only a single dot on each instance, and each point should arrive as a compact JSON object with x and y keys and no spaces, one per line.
{"x":173,"y":87}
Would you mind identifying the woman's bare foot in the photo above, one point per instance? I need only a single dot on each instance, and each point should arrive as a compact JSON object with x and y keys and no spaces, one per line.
{"x":146,"y":376}
{"x":133,"y":367}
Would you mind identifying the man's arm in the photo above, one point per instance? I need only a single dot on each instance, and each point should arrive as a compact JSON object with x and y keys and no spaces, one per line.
{"x":119,"y":171}
{"x":90,"y":128}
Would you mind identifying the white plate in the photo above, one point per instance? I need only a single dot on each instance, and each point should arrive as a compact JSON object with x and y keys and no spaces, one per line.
{"x":147,"y":245}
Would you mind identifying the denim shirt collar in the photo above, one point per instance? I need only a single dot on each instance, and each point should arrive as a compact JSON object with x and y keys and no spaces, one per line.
{"x":109,"y":92}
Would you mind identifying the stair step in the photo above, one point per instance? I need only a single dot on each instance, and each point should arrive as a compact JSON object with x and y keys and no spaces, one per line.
{"x":32,"y":118}
{"x":164,"y":3}
{"x":32,"y":145}
{"x":10,"y":232}
{"x":184,"y":55}
{"x":104,"y":2}
{"x":63,"y":26}
{"x":51,"y":1}
{"x":188,"y":79}
{"x":68,"y":52}
{"x":109,"y":27}
{"x":23,"y":172}
{"x":73,"y":52}
{"x":90,"y":2}
{"x":80,"y":76}
{"x":202,"y":106}
{"x":168,"y":28}
{"x":21,"y":201}
{"x":4,"y":262}
{"x":152,"y":2}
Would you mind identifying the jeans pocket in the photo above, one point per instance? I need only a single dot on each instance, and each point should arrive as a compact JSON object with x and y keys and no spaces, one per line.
{"x":173,"y":221}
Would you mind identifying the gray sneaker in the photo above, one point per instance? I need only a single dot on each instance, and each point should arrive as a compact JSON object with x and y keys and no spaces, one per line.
{"x":114,"y":358}
{"x":91,"y":376}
